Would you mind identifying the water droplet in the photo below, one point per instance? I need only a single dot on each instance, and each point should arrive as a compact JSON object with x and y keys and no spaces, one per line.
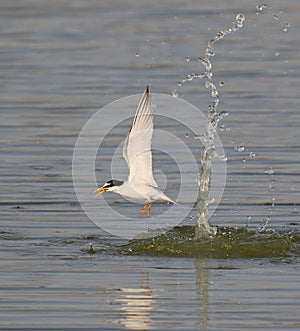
{"x":189,"y":77}
{"x":275,"y":17}
{"x":263,"y":227}
{"x":239,"y":20}
{"x":208,"y":74}
{"x":244,"y":160}
{"x":200,"y":75}
{"x":207,"y":84}
{"x":214,"y":93}
{"x":175,"y":93}
{"x":222,"y":157}
{"x":273,"y":202}
{"x":179,"y":83}
{"x":221,"y":34}
{"x":239,"y":148}
{"x":221,"y":84}
{"x":187,"y":59}
{"x":206,"y":63}
{"x":223,"y":113}
{"x":269,"y":171}
{"x":209,"y":51}
{"x":198,"y":137}
{"x":187,"y":135}
{"x":277,"y":54}
{"x":286,"y":27}
{"x":137,"y":54}
{"x":222,"y":127}
{"x":252,"y":155}
{"x":261,"y":7}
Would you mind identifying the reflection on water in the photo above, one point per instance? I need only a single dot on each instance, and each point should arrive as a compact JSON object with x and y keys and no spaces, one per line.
{"x":202,"y":284}
{"x":43,"y":280}
{"x":137,"y":303}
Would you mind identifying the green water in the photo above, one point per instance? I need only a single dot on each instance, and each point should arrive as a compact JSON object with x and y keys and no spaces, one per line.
{"x":228,"y":243}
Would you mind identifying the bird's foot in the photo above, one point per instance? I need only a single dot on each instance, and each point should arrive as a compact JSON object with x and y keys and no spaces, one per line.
{"x":149,"y":209}
{"x":144,"y":209}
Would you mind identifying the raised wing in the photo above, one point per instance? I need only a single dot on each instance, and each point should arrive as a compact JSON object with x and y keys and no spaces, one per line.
{"x":137,"y":145}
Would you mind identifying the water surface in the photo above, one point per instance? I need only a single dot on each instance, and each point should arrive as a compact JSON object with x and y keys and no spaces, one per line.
{"x":59,"y":63}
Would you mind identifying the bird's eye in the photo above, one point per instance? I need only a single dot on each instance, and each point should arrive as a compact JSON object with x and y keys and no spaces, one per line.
{"x":108,"y":184}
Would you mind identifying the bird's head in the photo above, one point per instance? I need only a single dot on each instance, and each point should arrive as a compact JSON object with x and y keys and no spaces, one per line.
{"x":109,"y":186}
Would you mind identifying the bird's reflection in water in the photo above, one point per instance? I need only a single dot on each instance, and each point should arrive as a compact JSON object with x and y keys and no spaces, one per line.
{"x":137,"y":305}
{"x":202,"y":285}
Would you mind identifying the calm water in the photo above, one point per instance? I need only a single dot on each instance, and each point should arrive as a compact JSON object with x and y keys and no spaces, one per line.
{"x":62,"y":61}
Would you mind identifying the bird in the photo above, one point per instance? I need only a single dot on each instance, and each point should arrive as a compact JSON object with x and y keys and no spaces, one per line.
{"x":140,"y":184}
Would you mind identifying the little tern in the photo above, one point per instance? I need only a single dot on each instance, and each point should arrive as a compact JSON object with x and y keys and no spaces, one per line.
{"x":140,"y":184}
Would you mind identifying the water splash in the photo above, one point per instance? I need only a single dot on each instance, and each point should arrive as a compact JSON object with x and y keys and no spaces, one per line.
{"x":203,"y":228}
{"x":227,"y":243}
{"x":281,"y":244}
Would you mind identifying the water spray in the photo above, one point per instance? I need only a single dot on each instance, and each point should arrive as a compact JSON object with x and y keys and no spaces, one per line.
{"x":203,"y":227}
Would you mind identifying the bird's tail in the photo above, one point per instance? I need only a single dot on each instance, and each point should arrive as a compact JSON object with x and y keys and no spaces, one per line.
{"x":164,"y":197}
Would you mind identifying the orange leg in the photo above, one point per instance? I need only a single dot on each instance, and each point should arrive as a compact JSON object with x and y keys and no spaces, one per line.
{"x":143,"y":209}
{"x":149,"y":209}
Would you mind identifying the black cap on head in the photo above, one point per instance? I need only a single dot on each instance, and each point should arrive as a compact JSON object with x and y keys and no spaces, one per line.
{"x":112,"y":182}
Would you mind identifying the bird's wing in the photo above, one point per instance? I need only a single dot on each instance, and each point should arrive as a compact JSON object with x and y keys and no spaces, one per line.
{"x":137,"y":145}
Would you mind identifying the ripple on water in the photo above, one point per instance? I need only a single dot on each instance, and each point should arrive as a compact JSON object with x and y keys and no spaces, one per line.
{"x":228,"y":243}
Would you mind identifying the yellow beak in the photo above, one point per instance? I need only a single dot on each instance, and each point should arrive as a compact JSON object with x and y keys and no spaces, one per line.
{"x":100,"y":191}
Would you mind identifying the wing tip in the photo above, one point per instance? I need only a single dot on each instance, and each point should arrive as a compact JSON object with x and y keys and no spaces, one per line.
{"x":147,"y":89}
